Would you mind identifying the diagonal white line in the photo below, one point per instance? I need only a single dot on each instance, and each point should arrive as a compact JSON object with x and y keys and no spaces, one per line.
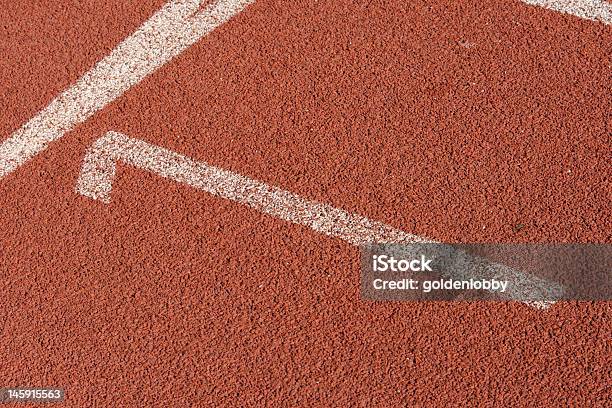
{"x":170,"y":31}
{"x":596,"y":10}
{"x":99,"y":166}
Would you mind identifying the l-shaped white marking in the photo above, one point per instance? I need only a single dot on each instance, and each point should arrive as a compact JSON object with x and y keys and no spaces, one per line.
{"x":99,"y":167}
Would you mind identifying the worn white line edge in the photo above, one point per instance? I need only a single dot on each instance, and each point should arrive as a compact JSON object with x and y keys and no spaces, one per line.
{"x":171,"y":30}
{"x":595,"y":10}
{"x":99,"y":166}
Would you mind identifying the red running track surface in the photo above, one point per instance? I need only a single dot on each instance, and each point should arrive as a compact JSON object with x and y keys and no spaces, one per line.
{"x":460,"y":121}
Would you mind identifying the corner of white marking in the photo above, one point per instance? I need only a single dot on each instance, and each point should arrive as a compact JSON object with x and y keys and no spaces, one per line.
{"x":99,"y":167}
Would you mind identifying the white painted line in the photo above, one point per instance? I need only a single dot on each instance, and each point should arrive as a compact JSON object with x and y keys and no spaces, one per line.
{"x":596,"y":10}
{"x":99,"y":166}
{"x":170,"y":31}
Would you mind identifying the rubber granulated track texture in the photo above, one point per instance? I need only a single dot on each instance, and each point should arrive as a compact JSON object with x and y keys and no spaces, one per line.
{"x":460,"y":121}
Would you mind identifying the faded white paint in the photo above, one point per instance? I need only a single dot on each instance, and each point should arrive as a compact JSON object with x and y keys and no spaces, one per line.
{"x":595,"y":10}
